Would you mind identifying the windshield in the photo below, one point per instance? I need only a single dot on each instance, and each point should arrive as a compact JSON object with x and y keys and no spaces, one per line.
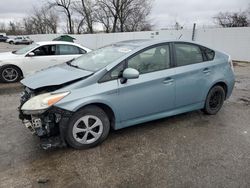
{"x":25,"y":49}
{"x":100,"y":58}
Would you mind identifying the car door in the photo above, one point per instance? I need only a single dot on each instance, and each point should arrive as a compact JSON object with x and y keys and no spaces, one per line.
{"x":68,"y":52}
{"x":17,"y":40}
{"x":192,"y":75}
{"x":154,"y":91}
{"x":44,"y":56}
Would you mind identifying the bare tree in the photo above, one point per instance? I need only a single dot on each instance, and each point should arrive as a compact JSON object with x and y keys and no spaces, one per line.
{"x":3,"y":28}
{"x":127,"y":15}
{"x":135,"y":18}
{"x":104,"y":16}
{"x":66,"y":6}
{"x":86,"y":8}
{"x":41,"y":21}
{"x":113,"y":6}
{"x":79,"y":25}
{"x":15,"y":28}
{"x":229,"y":19}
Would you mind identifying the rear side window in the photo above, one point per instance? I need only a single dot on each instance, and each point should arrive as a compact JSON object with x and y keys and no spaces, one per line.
{"x":68,"y":49}
{"x":187,"y":54}
{"x":82,"y":51}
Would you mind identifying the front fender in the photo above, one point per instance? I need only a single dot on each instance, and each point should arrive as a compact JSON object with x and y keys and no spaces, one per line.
{"x":75,"y":105}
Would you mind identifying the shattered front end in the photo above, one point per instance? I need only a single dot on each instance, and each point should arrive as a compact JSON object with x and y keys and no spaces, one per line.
{"x":47,"y":123}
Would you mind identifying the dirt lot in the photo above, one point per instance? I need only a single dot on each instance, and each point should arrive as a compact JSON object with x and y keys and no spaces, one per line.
{"x":188,"y":150}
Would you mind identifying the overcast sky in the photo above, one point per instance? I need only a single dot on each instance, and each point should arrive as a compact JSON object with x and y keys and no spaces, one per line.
{"x":164,"y":13}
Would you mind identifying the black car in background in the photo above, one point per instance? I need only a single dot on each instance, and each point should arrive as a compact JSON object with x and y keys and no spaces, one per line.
{"x":3,"y":38}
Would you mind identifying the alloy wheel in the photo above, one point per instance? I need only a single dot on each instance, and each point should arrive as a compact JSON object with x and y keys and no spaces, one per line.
{"x":10,"y":74}
{"x":215,"y":100}
{"x":87,"y":129}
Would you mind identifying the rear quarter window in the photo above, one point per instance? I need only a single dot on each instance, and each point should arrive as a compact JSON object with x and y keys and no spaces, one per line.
{"x":208,"y":53}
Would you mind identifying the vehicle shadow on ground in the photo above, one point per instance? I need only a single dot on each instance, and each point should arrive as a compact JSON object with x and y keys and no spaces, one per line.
{"x":164,"y":124}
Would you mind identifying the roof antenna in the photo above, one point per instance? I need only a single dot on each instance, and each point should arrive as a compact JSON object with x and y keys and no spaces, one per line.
{"x":180,"y":37}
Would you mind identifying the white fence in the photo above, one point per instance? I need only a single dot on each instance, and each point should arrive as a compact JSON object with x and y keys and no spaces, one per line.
{"x":234,"y":41}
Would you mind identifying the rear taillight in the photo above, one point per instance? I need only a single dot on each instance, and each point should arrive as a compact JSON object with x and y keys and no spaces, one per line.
{"x":231,"y":63}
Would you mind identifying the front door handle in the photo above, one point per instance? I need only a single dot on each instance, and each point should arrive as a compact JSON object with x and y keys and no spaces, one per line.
{"x":206,"y":70}
{"x":168,"y":80}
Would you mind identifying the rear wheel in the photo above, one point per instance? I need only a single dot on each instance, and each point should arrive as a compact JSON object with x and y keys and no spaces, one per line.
{"x":214,"y":100}
{"x":10,"y":74}
{"x":11,"y":42}
{"x":87,"y":128}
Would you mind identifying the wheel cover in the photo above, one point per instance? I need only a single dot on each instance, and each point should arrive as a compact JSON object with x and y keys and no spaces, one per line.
{"x":10,"y":74}
{"x":87,"y":129}
{"x":215,"y":100}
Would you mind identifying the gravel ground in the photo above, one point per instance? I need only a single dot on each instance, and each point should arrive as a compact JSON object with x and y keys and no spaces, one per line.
{"x":188,"y":150}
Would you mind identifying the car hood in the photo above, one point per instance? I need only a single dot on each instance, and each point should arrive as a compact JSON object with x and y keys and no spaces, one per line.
{"x":55,"y":76}
{"x":7,"y":55}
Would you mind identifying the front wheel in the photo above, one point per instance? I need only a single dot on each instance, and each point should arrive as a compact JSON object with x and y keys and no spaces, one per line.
{"x":87,"y":128}
{"x":10,"y":74}
{"x":214,"y":100}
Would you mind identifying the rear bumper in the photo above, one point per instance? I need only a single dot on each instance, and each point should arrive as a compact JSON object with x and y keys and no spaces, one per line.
{"x":230,"y":86}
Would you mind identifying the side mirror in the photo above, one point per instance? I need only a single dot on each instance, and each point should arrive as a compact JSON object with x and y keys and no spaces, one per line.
{"x":129,"y":73}
{"x":31,"y":54}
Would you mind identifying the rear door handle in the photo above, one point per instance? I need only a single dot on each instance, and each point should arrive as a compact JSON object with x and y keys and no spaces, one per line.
{"x":168,"y":80}
{"x":206,"y":70}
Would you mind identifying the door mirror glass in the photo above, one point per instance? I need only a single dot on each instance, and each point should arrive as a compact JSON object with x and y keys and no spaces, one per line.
{"x":130,"y":73}
{"x":31,"y":54}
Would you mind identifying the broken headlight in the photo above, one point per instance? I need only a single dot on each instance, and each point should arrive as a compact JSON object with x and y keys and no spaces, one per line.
{"x":40,"y":103}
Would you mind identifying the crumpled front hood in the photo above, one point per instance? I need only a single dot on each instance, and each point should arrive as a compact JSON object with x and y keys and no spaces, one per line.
{"x":54,"y":76}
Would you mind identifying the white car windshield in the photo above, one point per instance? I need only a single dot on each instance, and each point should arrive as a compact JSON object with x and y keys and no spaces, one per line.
{"x":25,"y":49}
{"x":100,"y":58}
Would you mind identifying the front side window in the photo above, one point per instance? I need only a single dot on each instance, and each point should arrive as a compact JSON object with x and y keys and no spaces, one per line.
{"x":114,"y":73}
{"x":153,"y":59}
{"x":64,"y":49}
{"x":46,"y":50}
{"x":187,"y":54}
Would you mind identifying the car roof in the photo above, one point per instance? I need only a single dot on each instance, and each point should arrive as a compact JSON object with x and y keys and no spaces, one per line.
{"x":62,"y":42}
{"x":148,"y":42}
{"x":55,"y":42}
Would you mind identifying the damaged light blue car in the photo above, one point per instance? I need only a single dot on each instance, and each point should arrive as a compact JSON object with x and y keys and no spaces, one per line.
{"x":121,"y":85}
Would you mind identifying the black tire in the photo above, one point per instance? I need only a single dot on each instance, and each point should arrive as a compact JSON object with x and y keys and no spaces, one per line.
{"x":15,"y":77}
{"x":11,"y":42}
{"x":214,"y":100}
{"x":83,"y":113}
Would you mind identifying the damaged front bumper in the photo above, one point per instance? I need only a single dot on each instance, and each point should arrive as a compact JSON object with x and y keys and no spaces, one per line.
{"x":49,"y":126}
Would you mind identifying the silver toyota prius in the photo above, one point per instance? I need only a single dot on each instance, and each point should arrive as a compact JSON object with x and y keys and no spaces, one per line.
{"x":121,"y":85}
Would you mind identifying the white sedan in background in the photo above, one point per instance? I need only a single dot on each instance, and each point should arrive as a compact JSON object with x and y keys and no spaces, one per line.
{"x":17,"y":64}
